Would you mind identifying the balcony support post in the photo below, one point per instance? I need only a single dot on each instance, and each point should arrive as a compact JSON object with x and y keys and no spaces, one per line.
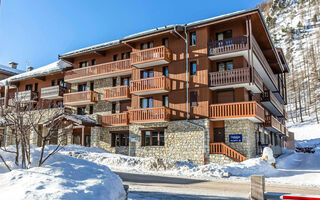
{"x":82,"y":135}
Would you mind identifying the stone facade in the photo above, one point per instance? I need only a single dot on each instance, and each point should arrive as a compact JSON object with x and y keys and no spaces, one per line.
{"x":219,"y":159}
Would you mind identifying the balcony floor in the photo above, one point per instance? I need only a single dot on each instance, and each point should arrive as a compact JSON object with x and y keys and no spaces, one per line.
{"x":249,"y":86}
{"x":52,"y":97}
{"x":80,"y":103}
{"x":117,"y":99}
{"x":151,"y":63}
{"x":101,"y":76}
{"x":156,"y":91}
{"x":272,"y":108}
{"x":253,"y":119}
{"x":228,"y":55}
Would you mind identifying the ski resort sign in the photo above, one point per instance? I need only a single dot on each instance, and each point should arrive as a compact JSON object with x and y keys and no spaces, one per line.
{"x":235,"y":138}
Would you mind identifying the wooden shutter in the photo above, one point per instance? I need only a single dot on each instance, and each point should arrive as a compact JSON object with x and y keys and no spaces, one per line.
{"x":142,"y":139}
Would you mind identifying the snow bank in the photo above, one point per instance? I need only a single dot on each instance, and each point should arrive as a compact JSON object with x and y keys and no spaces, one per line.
{"x":61,"y":177}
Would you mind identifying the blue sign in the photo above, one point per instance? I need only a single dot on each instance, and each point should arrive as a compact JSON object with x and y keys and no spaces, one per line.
{"x":235,"y":138}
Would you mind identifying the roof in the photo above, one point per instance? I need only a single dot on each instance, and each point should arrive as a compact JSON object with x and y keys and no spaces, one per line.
{"x":57,"y":66}
{"x":9,"y":70}
{"x":74,"y":119}
{"x":153,"y":31}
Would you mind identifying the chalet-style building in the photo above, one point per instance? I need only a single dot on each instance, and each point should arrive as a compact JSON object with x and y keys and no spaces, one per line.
{"x":210,"y":91}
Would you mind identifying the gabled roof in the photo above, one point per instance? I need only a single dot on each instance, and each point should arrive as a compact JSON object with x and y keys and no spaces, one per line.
{"x":9,"y":70}
{"x":74,"y":119}
{"x":54,"y":67}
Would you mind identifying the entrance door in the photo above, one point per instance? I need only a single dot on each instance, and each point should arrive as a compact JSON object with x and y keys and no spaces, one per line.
{"x":219,"y":135}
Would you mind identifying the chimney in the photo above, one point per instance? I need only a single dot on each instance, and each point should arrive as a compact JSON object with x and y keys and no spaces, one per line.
{"x":29,"y":68}
{"x":13,"y":65}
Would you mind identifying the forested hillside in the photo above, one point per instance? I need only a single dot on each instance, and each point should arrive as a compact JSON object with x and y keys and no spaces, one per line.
{"x":295,"y":26}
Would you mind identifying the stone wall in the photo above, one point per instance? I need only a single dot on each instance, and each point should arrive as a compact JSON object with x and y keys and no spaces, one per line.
{"x":219,"y":159}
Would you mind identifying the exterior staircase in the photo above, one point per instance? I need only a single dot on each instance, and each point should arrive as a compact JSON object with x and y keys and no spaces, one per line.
{"x":222,"y":148}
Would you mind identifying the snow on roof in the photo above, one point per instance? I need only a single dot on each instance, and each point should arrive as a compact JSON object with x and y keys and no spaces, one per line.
{"x":83,"y":118}
{"x":41,"y":71}
{"x":2,"y":121}
{"x":10,"y":70}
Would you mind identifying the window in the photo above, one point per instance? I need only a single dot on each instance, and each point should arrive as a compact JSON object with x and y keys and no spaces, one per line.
{"x":146,"y":102}
{"x":193,"y":38}
{"x":165,"y":42}
{"x":193,"y":68}
{"x":223,"y":66}
{"x":115,"y":57}
{"x":114,"y":82}
{"x":29,"y":87}
{"x":83,"y":64}
{"x":152,"y":138}
{"x":59,"y":103}
{"x":53,"y":82}
{"x":125,"y":81}
{"x":82,"y":87}
{"x":91,"y":85}
{"x":61,"y":83}
{"x":146,"y":74}
{"x":113,"y":109}
{"x":165,"y":101}
{"x":36,"y":87}
{"x":193,"y":99}
{"x":224,"y":35}
{"x":165,"y":71}
{"x":125,"y":55}
{"x":93,"y":61}
{"x":119,"y":139}
{"x":81,"y":110}
{"x":146,"y":45}
{"x":91,"y":110}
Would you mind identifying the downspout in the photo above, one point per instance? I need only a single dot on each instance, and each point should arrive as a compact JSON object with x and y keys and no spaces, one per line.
{"x":187,"y":89}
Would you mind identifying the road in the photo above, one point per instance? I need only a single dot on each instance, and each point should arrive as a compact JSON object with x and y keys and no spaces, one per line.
{"x":162,"y":187}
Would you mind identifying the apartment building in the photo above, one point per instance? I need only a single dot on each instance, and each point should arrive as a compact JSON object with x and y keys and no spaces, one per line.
{"x":211,"y":91}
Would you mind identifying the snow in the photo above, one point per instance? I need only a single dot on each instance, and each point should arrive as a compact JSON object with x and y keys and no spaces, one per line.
{"x":10,"y":70}
{"x":61,"y":177}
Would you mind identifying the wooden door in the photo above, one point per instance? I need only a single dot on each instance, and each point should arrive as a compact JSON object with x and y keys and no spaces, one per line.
{"x":219,"y":135}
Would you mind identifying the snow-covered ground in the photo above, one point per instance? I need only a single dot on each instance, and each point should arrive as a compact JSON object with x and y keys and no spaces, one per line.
{"x":61,"y":177}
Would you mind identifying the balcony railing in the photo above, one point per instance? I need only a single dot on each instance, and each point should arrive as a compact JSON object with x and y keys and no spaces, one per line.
{"x":235,"y":77}
{"x":150,"y":57}
{"x":53,"y":92}
{"x":222,"y":148}
{"x":104,"y":70}
{"x":26,"y":96}
{"x":272,"y":123}
{"x":149,"y":115}
{"x":228,"y":45}
{"x":118,"y":119}
{"x":152,"y":85}
{"x":117,"y":93}
{"x":80,"y":98}
{"x":268,"y":96}
{"x":251,"y":110}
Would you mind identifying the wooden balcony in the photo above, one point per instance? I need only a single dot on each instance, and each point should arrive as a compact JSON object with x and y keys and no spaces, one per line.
{"x":147,"y":115}
{"x":236,"y":78}
{"x":80,"y":98}
{"x":27,"y":96}
{"x":272,"y":104}
{"x":154,"y":85}
{"x":53,"y":92}
{"x":272,"y":124}
{"x":241,"y":110}
{"x":105,"y":70}
{"x":151,"y":57}
{"x":231,"y":47}
{"x":118,"y":119}
{"x":117,"y":93}
{"x":222,"y":148}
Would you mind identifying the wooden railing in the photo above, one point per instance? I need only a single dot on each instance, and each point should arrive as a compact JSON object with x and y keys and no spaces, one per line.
{"x":236,"y":110}
{"x":150,"y":114}
{"x":119,"y":92}
{"x":52,"y":92}
{"x":150,"y":84}
{"x":269,"y":96}
{"x":222,"y":148}
{"x":80,"y":97}
{"x":271,"y":121}
{"x":256,"y":48}
{"x":149,"y":55}
{"x":118,"y":119}
{"x":98,"y":70}
{"x":26,"y":96}
{"x":227,"y":45}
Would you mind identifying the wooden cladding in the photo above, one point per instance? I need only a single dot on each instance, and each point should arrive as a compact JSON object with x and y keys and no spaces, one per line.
{"x":150,"y":85}
{"x":228,"y":45}
{"x":118,"y":119}
{"x":52,"y":92}
{"x":101,"y":70}
{"x":80,"y":98}
{"x":222,"y":148}
{"x":153,"y":56}
{"x":273,"y":123}
{"x":26,"y":96}
{"x":117,"y":93}
{"x":269,"y":96}
{"x":149,"y":115}
{"x":235,"y":76}
{"x":249,"y":109}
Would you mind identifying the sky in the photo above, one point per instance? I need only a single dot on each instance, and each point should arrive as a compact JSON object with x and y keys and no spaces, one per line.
{"x":35,"y":32}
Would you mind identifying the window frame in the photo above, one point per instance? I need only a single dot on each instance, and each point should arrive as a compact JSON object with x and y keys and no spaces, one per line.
{"x":193,"y":38}
{"x":191,"y":72}
{"x":165,"y":101}
{"x":147,"y":141}
{"x":194,"y":99}
{"x":81,"y":110}
{"x":165,"y":71}
{"x":123,"y":139}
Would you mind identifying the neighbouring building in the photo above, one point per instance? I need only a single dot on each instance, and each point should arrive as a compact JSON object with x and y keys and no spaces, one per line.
{"x":210,"y":91}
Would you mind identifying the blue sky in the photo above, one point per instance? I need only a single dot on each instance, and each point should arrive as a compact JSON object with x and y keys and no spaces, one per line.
{"x":36,"y":31}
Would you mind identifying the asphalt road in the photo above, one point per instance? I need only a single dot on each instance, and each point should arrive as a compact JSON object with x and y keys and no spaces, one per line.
{"x":163,"y":187}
